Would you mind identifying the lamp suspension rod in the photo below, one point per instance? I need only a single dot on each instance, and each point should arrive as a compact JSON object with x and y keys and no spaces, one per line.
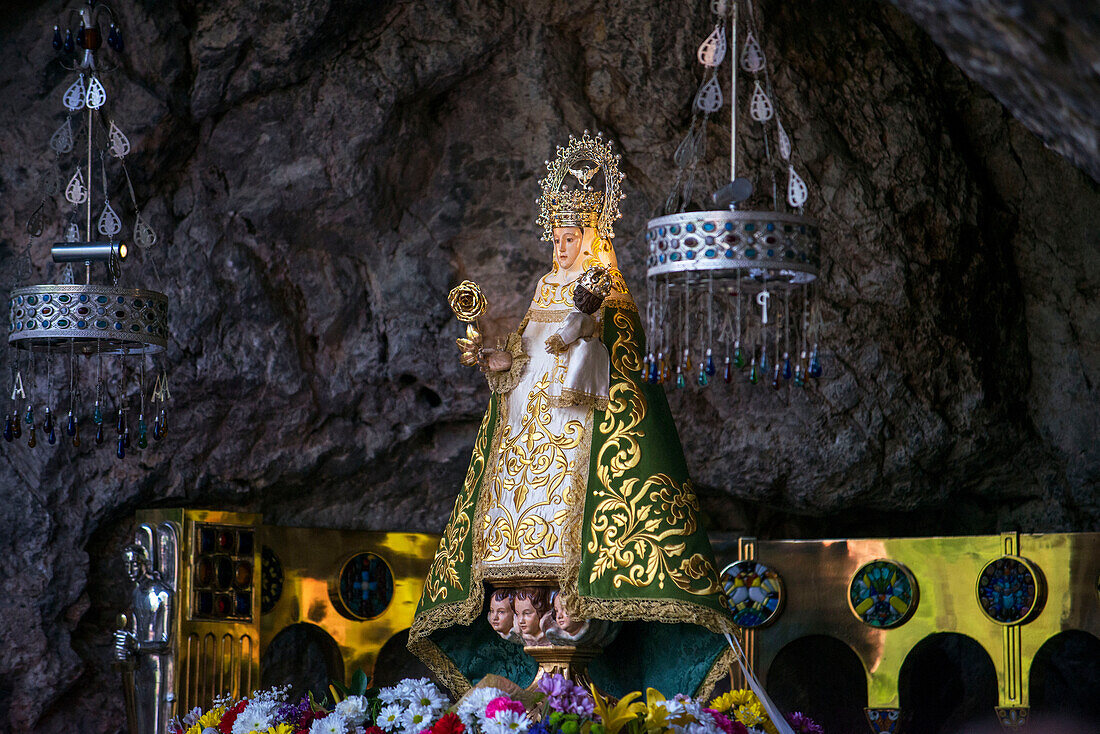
{"x":733,"y":92}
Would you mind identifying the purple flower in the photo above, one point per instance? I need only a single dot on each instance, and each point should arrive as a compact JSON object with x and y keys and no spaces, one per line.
{"x":803,"y":724}
{"x":565,"y":696}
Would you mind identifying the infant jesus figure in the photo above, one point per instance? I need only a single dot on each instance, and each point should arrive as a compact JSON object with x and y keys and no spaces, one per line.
{"x":578,"y":346}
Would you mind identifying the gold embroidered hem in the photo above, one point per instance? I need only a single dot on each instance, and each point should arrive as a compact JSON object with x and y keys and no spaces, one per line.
{"x":504,"y":382}
{"x":447,"y":672}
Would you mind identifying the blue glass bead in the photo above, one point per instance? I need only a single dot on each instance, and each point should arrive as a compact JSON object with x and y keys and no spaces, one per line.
{"x":690,"y":254}
{"x":702,"y":379}
{"x":69,"y":45}
{"x":754,"y":374}
{"x":9,"y":434}
{"x":689,"y":227}
{"x":661,"y":231}
{"x":750,"y":227}
{"x":29,"y":420}
{"x":711,"y":369}
{"x":729,"y":226}
{"x":815,"y":366}
{"x":799,"y":377}
{"x":143,"y":429}
{"x":787,"y":371}
{"x":70,"y":427}
{"x":51,"y":437}
{"x":120,"y":452}
{"x":708,"y":226}
{"x":738,"y":358}
{"x":99,"y":434}
{"x":57,"y":42}
{"x":727,"y":373}
{"x":47,"y":425}
{"x":750,"y":253}
{"x":770,"y":226}
{"x":764,"y":359}
{"x":97,"y":415}
{"x":674,"y":229}
{"x":680,"y":381}
{"x":730,"y":254}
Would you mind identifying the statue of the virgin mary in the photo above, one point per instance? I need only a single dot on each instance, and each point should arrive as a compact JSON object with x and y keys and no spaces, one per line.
{"x":577,"y":523}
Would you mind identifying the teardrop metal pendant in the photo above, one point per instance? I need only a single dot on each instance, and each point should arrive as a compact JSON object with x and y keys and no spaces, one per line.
{"x":144,"y":236}
{"x":760,"y":107}
{"x":109,"y":224}
{"x":74,"y":95}
{"x":784,"y":141}
{"x":76,"y":192}
{"x":709,"y":97}
{"x":713,"y":49}
{"x":120,"y":144}
{"x":62,"y":140}
{"x":97,"y":95}
{"x":37,"y":222}
{"x":796,"y":188}
{"x":686,"y":150}
{"x":752,"y":57}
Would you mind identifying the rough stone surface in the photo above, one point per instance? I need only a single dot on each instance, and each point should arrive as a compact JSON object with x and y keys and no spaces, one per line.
{"x":321,"y":173}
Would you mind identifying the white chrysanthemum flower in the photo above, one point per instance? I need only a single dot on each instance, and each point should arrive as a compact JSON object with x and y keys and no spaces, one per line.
{"x":416,"y":719}
{"x":256,"y":716}
{"x":407,"y":689}
{"x":354,"y":709}
{"x":389,"y":718}
{"x":472,"y":709}
{"x":507,"y":722}
{"x":390,"y":694}
{"x":427,"y":695}
{"x":331,"y":724}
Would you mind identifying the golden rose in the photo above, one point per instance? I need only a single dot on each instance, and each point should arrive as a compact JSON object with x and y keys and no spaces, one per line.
{"x":467,"y":301}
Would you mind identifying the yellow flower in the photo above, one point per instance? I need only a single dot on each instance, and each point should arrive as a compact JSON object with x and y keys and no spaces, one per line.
{"x":210,"y":718}
{"x":467,"y":301}
{"x":733,"y":699}
{"x":751,"y":714}
{"x":616,"y":716}
{"x":281,"y":729}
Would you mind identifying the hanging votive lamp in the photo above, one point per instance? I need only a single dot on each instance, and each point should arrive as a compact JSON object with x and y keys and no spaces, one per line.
{"x":731,"y":290}
{"x":78,"y":331}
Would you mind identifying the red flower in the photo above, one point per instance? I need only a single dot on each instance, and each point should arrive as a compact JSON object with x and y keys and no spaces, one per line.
{"x":225,"y":726}
{"x":373,"y":730}
{"x":449,"y":724}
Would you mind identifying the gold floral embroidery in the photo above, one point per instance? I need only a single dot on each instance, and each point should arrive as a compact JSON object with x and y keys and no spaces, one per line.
{"x":532,"y":459}
{"x":639,"y":528}
{"x":553,"y":294}
{"x":443,"y":574}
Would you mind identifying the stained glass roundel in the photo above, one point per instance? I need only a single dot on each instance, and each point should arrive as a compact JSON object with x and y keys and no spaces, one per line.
{"x":754,"y":592}
{"x":366,"y":586}
{"x":1010,"y":590}
{"x":883,"y":594}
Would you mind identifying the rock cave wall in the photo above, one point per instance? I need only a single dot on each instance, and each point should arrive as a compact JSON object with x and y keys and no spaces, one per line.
{"x":321,"y":173}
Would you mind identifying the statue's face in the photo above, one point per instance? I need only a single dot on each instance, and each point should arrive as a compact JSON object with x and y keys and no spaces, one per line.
{"x":528,"y":618}
{"x":565,"y":622}
{"x":135,"y":565}
{"x":567,"y":246}
{"x":500,"y":615}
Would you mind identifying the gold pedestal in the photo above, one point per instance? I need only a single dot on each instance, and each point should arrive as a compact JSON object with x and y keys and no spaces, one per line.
{"x":571,"y":662}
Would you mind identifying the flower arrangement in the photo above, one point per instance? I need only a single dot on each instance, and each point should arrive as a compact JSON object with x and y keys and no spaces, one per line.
{"x":419,"y":707}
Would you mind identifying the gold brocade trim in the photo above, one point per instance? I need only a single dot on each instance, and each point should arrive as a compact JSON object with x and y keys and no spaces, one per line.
{"x":521,"y":571}
{"x":542,"y":316}
{"x":717,"y":672}
{"x":446,"y":671}
{"x":570,"y":397}
{"x":503,"y":383}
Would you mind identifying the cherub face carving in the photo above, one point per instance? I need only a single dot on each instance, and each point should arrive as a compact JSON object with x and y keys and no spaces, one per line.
{"x":567,"y":624}
{"x":500,"y":612}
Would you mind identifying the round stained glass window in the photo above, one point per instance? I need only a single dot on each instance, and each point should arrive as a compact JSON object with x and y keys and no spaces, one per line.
{"x":754,"y":593}
{"x":1010,"y":590}
{"x":366,"y":586}
{"x":883,"y":594}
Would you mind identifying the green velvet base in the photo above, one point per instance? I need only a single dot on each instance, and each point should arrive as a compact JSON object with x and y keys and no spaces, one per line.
{"x":673,"y":658}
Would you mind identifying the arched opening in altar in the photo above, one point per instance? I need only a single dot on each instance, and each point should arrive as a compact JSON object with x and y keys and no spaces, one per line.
{"x":946,"y":683}
{"x":395,"y":662}
{"x":823,"y":678}
{"x":1065,"y":678}
{"x":305,"y":657}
